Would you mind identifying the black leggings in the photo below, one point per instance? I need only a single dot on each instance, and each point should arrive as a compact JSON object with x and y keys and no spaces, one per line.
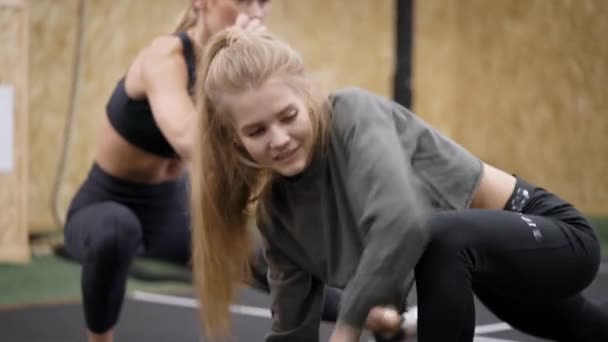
{"x":111,"y":221}
{"x":528,"y":264}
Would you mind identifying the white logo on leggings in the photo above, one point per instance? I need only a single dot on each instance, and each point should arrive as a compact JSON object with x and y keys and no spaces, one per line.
{"x":535,"y":231}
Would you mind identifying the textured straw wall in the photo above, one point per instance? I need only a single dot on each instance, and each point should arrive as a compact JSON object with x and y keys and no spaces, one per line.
{"x":52,"y":32}
{"x":13,"y":73}
{"x":522,"y":83}
{"x":349,"y":43}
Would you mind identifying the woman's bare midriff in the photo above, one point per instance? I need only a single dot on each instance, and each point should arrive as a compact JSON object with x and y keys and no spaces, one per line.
{"x":495,"y":188}
{"x":125,"y":161}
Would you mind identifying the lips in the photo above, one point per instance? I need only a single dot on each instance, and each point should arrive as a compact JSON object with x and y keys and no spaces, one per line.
{"x":285,"y":155}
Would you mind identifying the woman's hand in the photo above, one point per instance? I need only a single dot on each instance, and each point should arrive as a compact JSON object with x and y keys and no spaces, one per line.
{"x":249,"y":24}
{"x":383,"y":319}
{"x":380,"y":319}
{"x":388,"y":321}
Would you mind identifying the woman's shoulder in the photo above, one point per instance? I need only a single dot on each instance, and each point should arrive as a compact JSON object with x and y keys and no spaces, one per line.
{"x":354,"y":97}
{"x":353,"y":106}
{"x":164,"y":46}
{"x":162,"y":58}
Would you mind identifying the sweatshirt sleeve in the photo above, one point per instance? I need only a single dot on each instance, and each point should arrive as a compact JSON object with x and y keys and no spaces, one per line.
{"x":380,"y":188}
{"x":296,"y":299}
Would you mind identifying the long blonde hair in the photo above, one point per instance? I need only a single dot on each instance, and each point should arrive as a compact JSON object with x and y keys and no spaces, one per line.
{"x":226,"y":182}
{"x":187,"y":18}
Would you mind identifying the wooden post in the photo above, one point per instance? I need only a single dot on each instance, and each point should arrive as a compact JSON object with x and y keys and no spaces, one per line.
{"x":14,"y":246}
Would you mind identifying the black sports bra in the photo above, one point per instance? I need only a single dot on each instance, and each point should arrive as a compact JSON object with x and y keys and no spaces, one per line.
{"x":133,"y":119}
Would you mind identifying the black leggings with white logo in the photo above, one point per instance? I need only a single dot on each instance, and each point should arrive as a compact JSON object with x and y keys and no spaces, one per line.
{"x":528,"y":264}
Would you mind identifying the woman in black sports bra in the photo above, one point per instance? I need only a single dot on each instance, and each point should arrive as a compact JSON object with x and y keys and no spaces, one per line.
{"x":134,"y":200}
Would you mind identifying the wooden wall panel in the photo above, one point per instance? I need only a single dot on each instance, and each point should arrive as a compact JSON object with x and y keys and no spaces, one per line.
{"x":13,"y":179}
{"x":522,"y":83}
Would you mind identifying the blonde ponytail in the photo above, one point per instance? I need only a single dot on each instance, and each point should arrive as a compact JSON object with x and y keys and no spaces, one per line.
{"x":226,"y":182}
{"x":220,"y":196}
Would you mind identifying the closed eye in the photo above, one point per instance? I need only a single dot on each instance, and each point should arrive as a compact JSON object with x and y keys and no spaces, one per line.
{"x":285,"y":116}
{"x":289,"y":117}
{"x":256,"y":132}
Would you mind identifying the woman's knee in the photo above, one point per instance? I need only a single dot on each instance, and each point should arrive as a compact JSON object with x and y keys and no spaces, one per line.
{"x":448,"y":231}
{"x":116,"y":236}
{"x":451,"y":246}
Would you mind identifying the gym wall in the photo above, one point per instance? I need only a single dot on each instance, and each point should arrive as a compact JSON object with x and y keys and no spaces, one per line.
{"x":522,"y":84}
{"x":14,"y":245}
{"x":349,"y":43}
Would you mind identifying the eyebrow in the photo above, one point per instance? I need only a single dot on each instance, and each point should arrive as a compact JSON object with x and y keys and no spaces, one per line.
{"x":283,"y":111}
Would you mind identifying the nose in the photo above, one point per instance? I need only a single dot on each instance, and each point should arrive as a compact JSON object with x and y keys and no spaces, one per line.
{"x":279,"y":138}
{"x":255,"y":10}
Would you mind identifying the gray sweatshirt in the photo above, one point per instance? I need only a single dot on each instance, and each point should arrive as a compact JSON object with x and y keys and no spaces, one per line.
{"x":355,"y":218}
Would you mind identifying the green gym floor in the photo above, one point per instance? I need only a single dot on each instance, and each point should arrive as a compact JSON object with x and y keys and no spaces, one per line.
{"x":40,"y":302}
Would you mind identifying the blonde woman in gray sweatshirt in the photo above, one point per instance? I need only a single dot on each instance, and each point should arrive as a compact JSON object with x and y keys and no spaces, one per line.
{"x":354,"y":191}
